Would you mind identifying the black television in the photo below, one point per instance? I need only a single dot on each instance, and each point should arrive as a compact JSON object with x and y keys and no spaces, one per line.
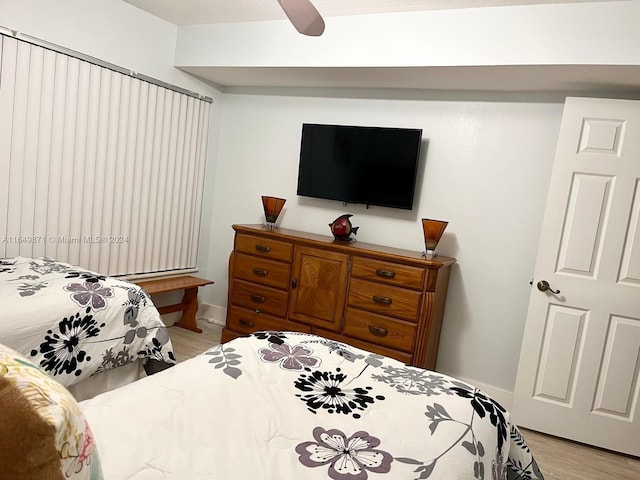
{"x":358,"y":164}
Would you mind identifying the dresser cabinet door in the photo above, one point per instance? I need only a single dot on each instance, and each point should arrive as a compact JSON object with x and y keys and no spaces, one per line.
{"x":318,"y":287}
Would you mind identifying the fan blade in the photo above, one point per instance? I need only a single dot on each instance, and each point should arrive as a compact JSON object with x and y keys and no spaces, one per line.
{"x":304,"y":16}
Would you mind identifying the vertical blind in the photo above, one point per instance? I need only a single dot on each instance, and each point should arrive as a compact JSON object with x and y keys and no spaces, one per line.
{"x":97,"y":168}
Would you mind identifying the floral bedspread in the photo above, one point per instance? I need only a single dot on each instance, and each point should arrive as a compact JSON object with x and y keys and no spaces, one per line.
{"x":283,"y":405}
{"x":75,"y":323}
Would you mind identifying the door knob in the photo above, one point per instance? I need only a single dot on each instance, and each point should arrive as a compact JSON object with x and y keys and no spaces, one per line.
{"x":543,"y":286}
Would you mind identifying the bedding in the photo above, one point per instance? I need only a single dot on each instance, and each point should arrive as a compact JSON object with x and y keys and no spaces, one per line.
{"x":285,"y":405}
{"x":75,"y":324}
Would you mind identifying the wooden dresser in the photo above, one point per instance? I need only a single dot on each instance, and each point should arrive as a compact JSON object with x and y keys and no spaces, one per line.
{"x":381,"y":299}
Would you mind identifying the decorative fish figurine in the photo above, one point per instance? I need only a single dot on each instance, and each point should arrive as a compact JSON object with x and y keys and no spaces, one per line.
{"x":341,"y":227}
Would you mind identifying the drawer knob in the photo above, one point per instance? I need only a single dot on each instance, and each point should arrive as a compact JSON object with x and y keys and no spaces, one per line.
{"x":385,"y":273}
{"x":382,"y":300}
{"x":261,"y":272}
{"x":378,"y":330}
{"x":263,"y":248}
{"x":257,"y":298}
{"x":246,"y":323}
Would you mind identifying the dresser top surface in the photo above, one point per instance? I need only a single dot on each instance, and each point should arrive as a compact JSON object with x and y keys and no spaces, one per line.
{"x":353,"y":247}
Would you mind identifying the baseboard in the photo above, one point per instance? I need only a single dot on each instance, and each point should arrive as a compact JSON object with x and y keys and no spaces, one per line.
{"x":503,"y":397}
{"x":212,"y":313}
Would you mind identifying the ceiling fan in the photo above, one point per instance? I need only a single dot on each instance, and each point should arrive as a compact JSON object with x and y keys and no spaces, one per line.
{"x":304,"y":16}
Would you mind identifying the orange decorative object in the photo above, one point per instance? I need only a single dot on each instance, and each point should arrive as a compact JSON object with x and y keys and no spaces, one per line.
{"x":433,"y":230}
{"x":272,"y":208}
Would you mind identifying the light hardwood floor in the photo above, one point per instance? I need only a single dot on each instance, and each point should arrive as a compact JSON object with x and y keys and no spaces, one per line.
{"x":564,"y":460}
{"x":558,"y":459}
{"x":187,"y":344}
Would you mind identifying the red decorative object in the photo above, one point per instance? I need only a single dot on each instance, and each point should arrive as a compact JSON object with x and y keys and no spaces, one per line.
{"x":342,"y":229}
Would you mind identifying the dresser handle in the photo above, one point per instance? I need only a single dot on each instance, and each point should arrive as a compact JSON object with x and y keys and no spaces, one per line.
{"x":382,"y":300}
{"x":261,"y":272}
{"x":263,"y":248}
{"x":385,"y":273}
{"x":257,"y":298}
{"x":246,"y":323}
{"x":378,"y":330}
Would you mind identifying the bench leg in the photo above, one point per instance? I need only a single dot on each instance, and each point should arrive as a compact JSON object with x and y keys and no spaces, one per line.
{"x":189,"y":309}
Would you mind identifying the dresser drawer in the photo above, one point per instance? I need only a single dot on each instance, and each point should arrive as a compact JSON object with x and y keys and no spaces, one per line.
{"x":374,"y":328}
{"x":258,"y":297}
{"x":264,"y":247}
{"x":247,"y":321}
{"x":261,"y":270}
{"x":388,"y":272}
{"x":384,"y":299}
{"x":368,"y":346}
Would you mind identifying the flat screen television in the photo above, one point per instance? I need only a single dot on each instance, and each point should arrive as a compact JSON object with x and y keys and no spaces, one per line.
{"x":356,"y":164}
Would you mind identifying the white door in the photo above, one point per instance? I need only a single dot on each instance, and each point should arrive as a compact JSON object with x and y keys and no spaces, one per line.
{"x":580,"y":358}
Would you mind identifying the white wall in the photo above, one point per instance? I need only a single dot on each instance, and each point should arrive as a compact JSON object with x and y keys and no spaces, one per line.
{"x":485,"y":169}
{"x":111,"y":30}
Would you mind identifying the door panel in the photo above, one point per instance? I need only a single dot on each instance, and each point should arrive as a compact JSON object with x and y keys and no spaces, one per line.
{"x":562,"y":344}
{"x":630,"y":267}
{"x":585,"y":223}
{"x":601,"y":136}
{"x":617,"y":390}
{"x":580,"y":356}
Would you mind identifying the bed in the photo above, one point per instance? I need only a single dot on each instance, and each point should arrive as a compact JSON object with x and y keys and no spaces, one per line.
{"x":90,"y":332}
{"x":284,"y":405}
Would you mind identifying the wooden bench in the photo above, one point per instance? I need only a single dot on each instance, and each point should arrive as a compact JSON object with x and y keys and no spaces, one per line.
{"x":189,"y":304}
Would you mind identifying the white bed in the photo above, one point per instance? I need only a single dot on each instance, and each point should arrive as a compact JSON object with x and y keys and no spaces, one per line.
{"x":284,"y":405}
{"x":90,"y":332}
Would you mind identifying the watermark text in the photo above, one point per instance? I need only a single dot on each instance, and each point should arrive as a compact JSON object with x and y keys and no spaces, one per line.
{"x":63,"y":239}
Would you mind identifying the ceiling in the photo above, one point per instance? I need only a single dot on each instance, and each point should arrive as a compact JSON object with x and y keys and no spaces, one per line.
{"x":621,"y":81}
{"x":195,"y":12}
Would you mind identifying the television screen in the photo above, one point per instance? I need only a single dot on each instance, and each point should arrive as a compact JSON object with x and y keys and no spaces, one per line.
{"x":368,"y":165}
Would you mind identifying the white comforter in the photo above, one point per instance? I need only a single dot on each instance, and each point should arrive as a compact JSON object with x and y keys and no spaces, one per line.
{"x":76,"y":323}
{"x":295,"y":406}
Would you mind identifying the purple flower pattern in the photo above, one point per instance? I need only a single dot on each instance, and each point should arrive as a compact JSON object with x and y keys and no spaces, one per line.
{"x":91,"y":294}
{"x":289,"y":358}
{"x":348,"y":457}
